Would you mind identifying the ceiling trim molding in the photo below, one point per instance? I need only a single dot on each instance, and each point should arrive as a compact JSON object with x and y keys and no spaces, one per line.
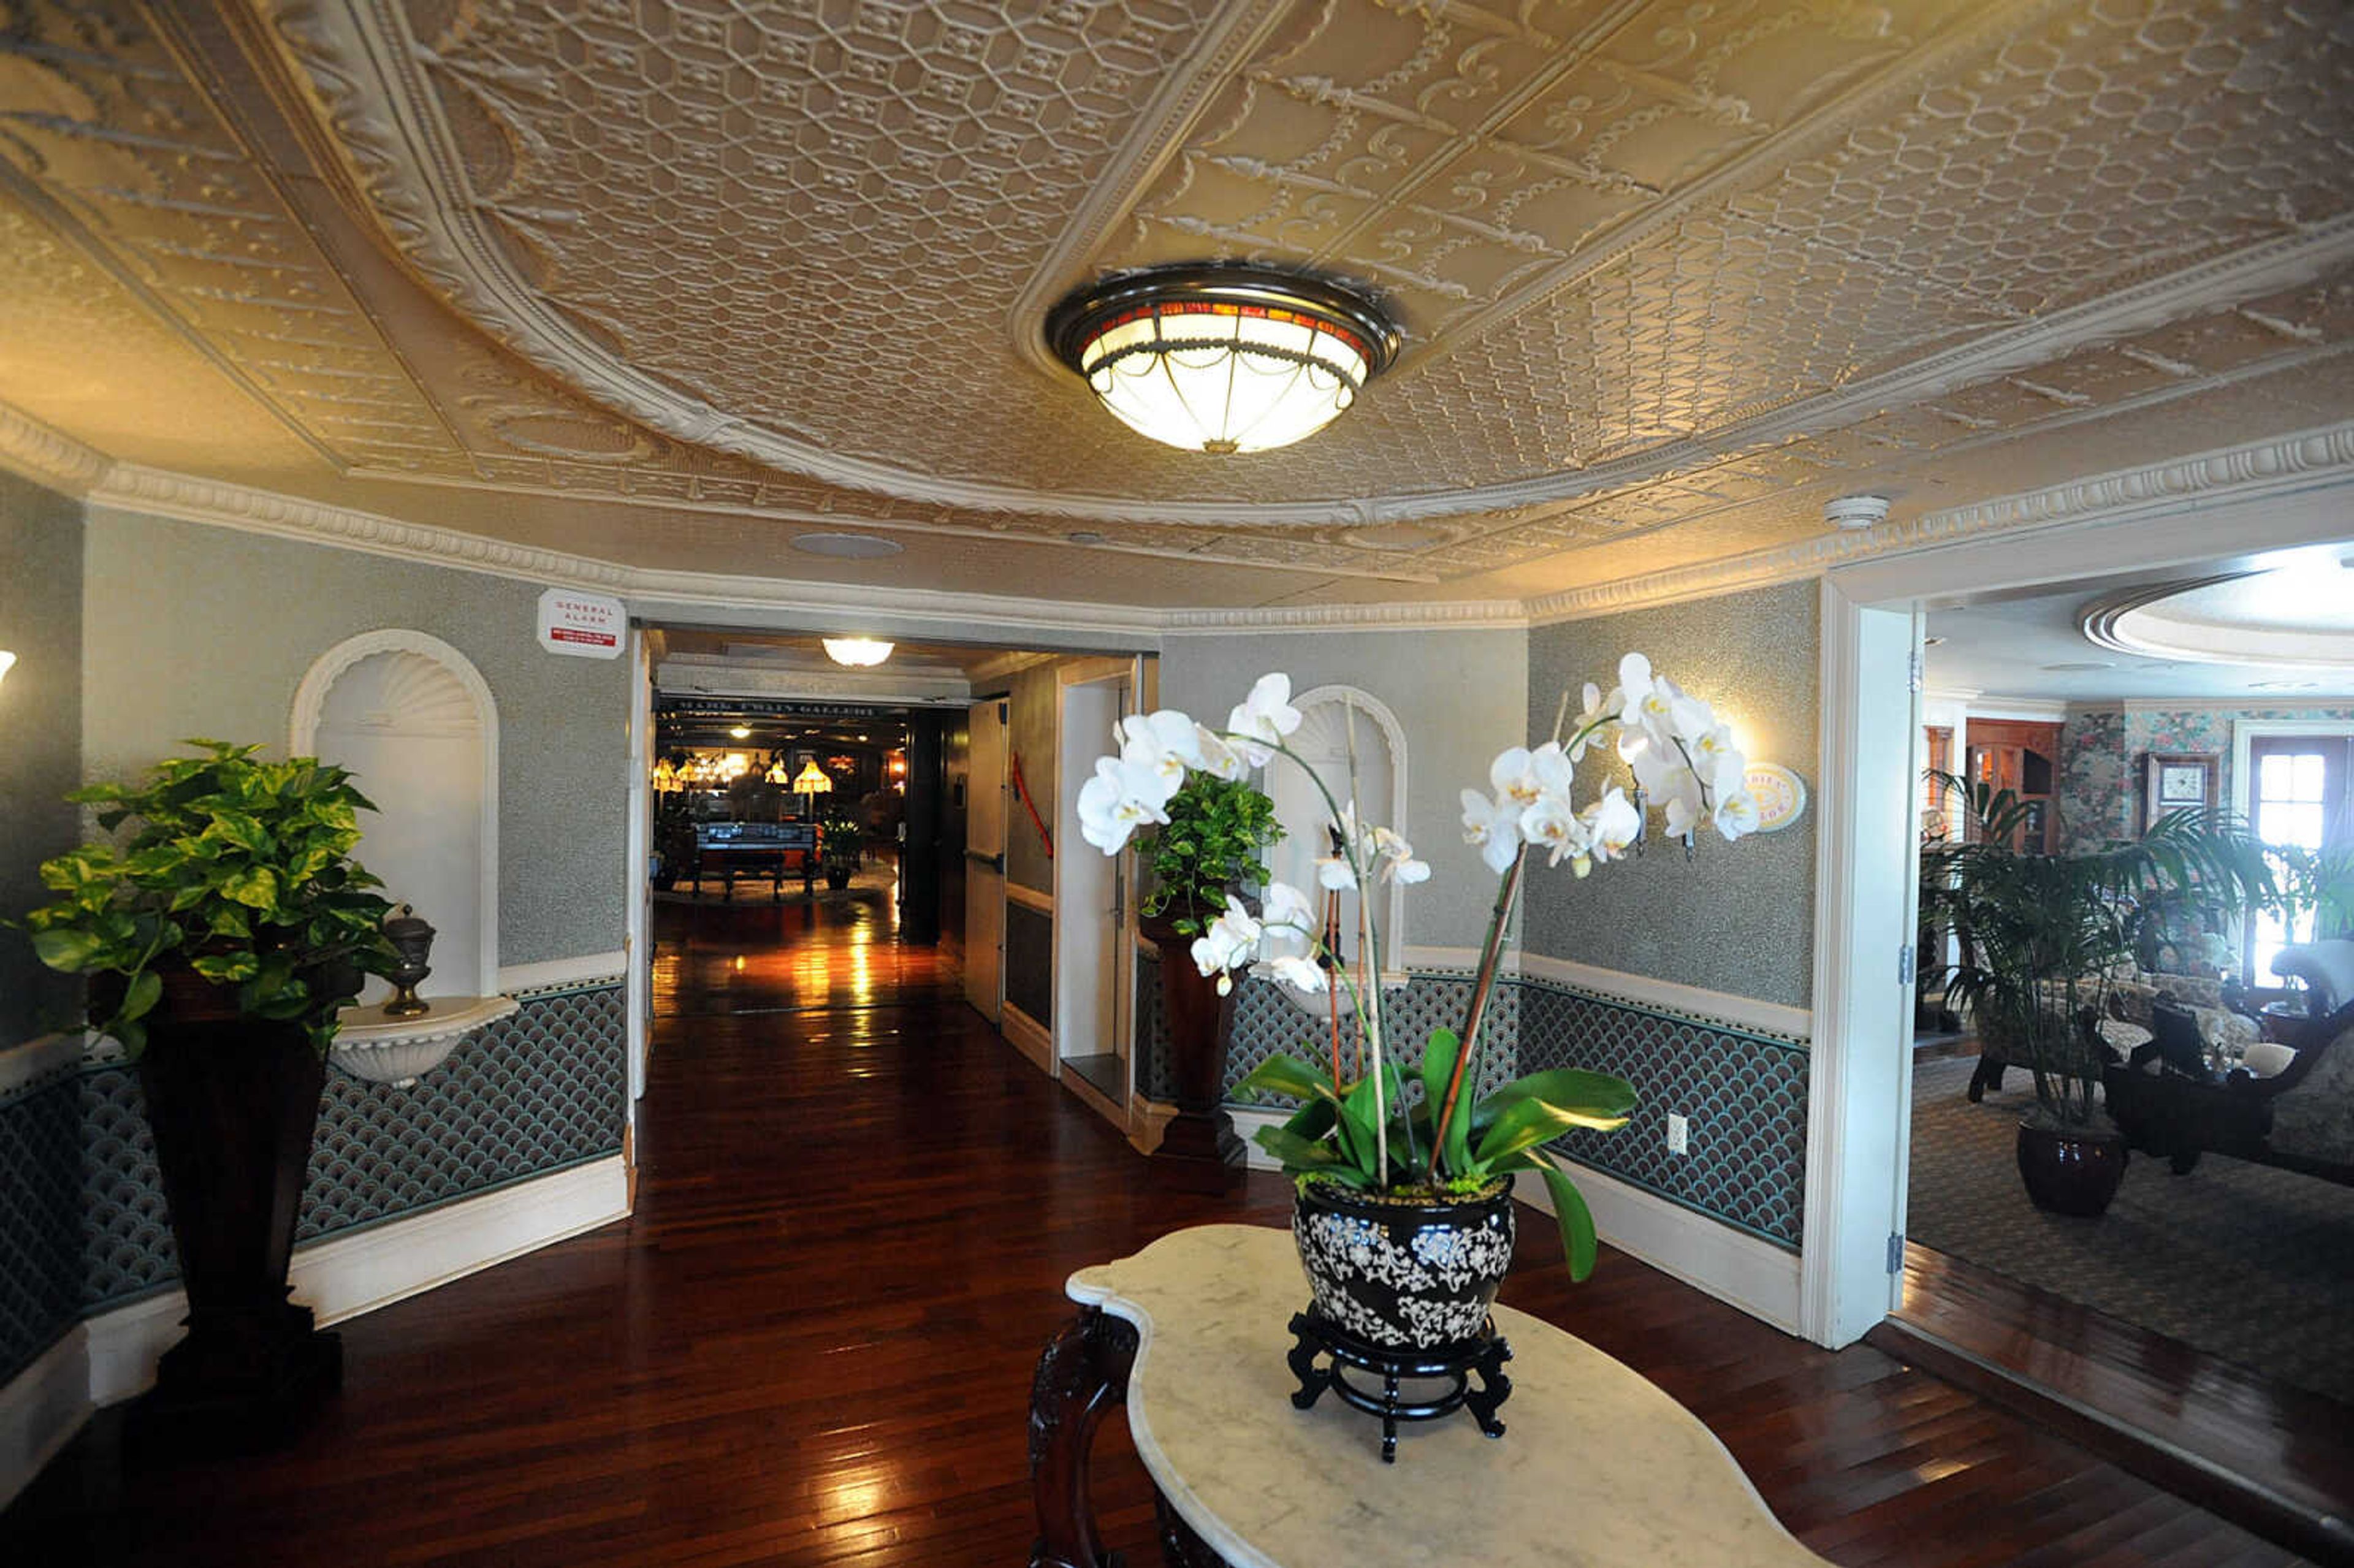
{"x":2245,"y":472}
{"x":734,"y":678}
{"x":2253,"y":471}
{"x":47,"y":456}
{"x":365,"y":69}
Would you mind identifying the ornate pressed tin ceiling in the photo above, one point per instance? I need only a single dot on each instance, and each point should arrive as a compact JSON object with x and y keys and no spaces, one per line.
{"x":1669,"y":273}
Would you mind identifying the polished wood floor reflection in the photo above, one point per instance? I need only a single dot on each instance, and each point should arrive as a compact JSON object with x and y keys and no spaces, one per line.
{"x":812,"y":1343}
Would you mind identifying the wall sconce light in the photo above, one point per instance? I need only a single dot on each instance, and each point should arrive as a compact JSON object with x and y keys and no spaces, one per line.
{"x":7,"y":663}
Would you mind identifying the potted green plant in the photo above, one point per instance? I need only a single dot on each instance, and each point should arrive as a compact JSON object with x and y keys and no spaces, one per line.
{"x":1403,"y":1214}
{"x":221,"y":932}
{"x":840,"y":844}
{"x":1205,"y":843}
{"x":2041,"y":937}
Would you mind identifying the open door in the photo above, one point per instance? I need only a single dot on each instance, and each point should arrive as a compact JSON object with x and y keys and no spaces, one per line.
{"x":984,"y":881}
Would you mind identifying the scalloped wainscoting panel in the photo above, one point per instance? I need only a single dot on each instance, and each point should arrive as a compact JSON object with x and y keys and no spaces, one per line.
{"x":41,"y":1223}
{"x":535,"y":1093}
{"x":1744,"y":1093}
{"x":1743,"y":1089}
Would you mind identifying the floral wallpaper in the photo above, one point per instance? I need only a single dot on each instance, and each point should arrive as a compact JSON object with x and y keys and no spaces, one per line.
{"x":2104,"y":751}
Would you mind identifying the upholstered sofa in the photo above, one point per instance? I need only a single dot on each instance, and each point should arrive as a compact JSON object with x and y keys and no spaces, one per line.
{"x":2134,"y":996}
{"x":2300,"y":1118}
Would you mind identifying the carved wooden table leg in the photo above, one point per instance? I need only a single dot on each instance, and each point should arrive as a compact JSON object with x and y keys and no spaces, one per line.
{"x":1083,"y":1373}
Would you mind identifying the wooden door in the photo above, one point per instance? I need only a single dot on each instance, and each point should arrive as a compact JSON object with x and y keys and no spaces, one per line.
{"x":984,"y":857}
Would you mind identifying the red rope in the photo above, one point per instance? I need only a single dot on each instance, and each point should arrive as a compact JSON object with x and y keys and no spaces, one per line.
{"x":1023,"y":790}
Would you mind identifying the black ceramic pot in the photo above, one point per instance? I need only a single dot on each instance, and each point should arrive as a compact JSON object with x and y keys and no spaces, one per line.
{"x":1403,"y":1274}
{"x":2072,"y":1170}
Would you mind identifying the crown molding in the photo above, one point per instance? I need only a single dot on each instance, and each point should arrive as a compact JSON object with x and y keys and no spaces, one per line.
{"x":734,"y":678}
{"x":47,"y":456}
{"x":2251,"y":471}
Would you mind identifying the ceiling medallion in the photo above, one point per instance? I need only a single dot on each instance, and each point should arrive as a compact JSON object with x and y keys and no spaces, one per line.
{"x":856,"y":651}
{"x":1223,"y":358}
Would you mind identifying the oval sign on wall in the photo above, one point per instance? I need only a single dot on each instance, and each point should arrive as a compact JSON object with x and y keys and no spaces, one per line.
{"x":1781,"y":795}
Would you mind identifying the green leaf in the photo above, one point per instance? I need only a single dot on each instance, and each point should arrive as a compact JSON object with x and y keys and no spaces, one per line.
{"x":223,"y":968}
{"x":256,"y":887}
{"x":1288,"y":1077}
{"x":139,"y":997}
{"x":1297,"y":1153}
{"x":1606,"y":1099}
{"x":67,"y":948}
{"x":1437,"y":1066}
{"x":1532,"y":1122}
{"x":1579,"y":1242}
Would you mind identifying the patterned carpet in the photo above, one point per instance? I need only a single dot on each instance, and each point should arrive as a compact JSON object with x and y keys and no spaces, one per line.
{"x":2245,"y":1261}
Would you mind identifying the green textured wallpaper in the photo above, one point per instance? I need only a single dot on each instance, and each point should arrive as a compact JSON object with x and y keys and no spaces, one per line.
{"x":192,"y":629}
{"x":1735,"y":917}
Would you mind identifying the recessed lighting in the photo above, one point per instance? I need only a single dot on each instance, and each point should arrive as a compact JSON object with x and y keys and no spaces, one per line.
{"x":846,"y":547}
{"x":1083,"y":536}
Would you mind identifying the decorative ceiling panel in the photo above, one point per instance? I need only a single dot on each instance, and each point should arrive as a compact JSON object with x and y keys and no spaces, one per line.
{"x":817,"y":239}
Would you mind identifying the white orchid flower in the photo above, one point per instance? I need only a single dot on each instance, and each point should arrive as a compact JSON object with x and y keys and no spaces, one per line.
{"x":1393,"y":858}
{"x":1122,"y":796}
{"x":1261,"y":721}
{"x":1217,"y":759}
{"x":1685,"y":802}
{"x":1634,"y":688}
{"x":1597,"y":708}
{"x":1712,"y":742}
{"x":1162,"y":741}
{"x":1553,"y":824}
{"x":1735,"y":813}
{"x":1513,"y":775}
{"x":1494,"y":826}
{"x":1231,"y":941}
{"x":1297,"y":972}
{"x":1286,"y":915}
{"x":1612,"y":824}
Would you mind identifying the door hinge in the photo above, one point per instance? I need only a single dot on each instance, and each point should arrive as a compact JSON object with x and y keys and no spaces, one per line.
{"x":1904,"y":964}
{"x":1895,"y":1252}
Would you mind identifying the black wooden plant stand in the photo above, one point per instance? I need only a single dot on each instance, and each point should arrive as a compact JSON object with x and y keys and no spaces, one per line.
{"x":1485,"y":1353}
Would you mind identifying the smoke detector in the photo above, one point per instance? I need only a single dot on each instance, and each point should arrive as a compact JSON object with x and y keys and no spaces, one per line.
{"x":1855,"y":511}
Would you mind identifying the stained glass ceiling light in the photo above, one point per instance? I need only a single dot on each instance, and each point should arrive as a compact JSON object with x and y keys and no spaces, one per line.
{"x":1223,"y":358}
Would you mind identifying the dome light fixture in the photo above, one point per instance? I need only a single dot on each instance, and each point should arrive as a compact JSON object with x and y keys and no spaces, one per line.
{"x":856,"y":651}
{"x":1225,"y":359}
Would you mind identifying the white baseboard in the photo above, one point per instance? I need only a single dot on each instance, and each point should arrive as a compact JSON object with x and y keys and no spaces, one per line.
{"x":1736,"y":1268}
{"x":1029,"y":1037}
{"x":514,"y":977}
{"x":40,"y":1410}
{"x":344,"y":1277}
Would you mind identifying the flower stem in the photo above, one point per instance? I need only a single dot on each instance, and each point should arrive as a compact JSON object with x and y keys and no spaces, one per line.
{"x":1489,"y":953}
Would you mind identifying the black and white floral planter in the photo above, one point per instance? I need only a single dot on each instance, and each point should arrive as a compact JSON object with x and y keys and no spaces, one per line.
{"x":1403,"y":1274}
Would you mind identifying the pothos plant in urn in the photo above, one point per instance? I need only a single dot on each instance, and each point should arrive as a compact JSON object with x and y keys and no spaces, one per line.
{"x":220,"y":934}
{"x":1403,"y":1213}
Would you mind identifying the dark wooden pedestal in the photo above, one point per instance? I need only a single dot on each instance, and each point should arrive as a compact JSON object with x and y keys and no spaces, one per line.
{"x":1082,"y":1376}
{"x":1199,"y":1021}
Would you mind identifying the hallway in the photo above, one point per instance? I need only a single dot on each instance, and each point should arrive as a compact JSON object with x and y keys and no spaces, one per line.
{"x":813,"y":1344}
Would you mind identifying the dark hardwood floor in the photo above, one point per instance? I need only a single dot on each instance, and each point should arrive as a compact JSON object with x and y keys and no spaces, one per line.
{"x":813,"y":1342}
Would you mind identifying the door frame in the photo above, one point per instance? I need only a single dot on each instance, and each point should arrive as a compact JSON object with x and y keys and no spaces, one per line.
{"x":1070,"y":675}
{"x":1860,"y":1100}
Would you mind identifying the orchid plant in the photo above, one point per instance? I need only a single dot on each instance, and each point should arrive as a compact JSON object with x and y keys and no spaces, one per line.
{"x":1358,"y":1125}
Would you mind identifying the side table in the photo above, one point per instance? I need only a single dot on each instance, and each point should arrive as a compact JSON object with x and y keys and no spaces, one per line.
{"x":1189,"y":1336}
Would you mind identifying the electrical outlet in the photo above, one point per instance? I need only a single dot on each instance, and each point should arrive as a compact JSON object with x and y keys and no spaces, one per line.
{"x":1678,"y":1134}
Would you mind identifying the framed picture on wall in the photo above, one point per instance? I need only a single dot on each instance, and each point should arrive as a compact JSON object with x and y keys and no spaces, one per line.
{"x":2176,"y":779}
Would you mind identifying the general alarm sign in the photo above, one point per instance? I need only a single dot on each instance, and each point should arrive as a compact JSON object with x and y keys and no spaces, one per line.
{"x":584,"y":625}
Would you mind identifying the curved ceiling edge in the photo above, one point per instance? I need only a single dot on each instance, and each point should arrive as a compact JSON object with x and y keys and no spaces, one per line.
{"x":364,"y":80}
{"x":2135,"y":621}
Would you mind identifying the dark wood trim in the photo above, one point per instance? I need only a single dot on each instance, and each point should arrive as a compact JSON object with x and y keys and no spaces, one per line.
{"x":2275,"y":1459}
{"x":1082,"y":1376}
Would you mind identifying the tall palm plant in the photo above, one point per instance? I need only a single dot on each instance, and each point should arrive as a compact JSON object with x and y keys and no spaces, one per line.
{"x":2041,"y":936}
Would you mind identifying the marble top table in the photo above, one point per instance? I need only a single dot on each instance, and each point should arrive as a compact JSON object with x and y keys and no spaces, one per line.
{"x":1598,"y":1467}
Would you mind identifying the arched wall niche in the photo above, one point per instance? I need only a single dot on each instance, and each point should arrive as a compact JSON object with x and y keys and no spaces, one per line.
{"x":415,"y":723}
{"x":1327,"y":728}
